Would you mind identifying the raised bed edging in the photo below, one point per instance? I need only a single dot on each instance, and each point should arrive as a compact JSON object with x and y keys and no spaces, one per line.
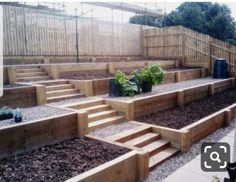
{"x":24,"y":96}
{"x":29,"y":135}
{"x":124,"y":167}
{"x":130,"y":167}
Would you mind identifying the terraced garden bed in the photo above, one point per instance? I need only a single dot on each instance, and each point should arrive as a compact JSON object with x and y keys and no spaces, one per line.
{"x":58,"y":162}
{"x":180,"y":117}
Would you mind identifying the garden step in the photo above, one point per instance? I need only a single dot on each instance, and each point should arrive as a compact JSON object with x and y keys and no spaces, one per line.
{"x":59,"y":87}
{"x":97,"y":108}
{"x":36,"y":78}
{"x":156,"y":146}
{"x":161,"y":157}
{"x":87,"y":105}
{"x":29,"y":70}
{"x":63,"y":97}
{"x":62,"y":92}
{"x":54,"y":82}
{"x":106,"y":122}
{"x":130,"y":134}
{"x":143,"y":140}
{"x":31,"y":74}
{"x":101,"y":115}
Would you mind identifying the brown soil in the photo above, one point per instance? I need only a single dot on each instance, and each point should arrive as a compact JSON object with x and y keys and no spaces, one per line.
{"x":58,"y":162}
{"x":180,"y":117}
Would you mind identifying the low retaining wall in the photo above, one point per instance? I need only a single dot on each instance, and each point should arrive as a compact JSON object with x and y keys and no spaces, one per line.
{"x":19,"y":97}
{"x":145,"y":105}
{"x":101,"y":86}
{"x":29,"y":135}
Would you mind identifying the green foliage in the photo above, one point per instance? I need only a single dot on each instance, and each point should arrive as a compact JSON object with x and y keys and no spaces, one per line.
{"x":120,"y":77}
{"x":152,"y":73}
{"x":128,"y":88}
{"x":205,"y":17}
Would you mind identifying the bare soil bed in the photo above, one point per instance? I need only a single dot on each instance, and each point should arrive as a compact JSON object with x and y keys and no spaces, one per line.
{"x":58,"y":162}
{"x":180,"y":117}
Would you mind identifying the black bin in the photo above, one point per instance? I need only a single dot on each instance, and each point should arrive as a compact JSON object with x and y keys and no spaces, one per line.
{"x":220,"y":68}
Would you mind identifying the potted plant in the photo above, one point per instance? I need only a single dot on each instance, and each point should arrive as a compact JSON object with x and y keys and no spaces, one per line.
{"x":115,"y":84}
{"x":151,"y":75}
{"x":136,"y":78}
{"x":129,"y":88}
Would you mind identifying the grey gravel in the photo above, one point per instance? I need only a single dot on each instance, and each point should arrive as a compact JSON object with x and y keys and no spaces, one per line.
{"x":170,"y":166}
{"x":35,"y":113}
{"x":159,"y":89}
{"x":114,"y":129}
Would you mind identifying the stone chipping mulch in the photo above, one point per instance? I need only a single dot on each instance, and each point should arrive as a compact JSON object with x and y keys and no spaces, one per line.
{"x":171,"y":165}
{"x":114,"y":129}
{"x":35,"y":113}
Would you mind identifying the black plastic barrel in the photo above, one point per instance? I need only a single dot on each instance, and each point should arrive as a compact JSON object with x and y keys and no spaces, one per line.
{"x":220,"y":68}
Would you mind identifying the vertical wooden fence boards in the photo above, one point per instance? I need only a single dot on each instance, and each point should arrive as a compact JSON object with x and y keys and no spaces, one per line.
{"x":163,"y":42}
{"x":196,"y":49}
{"x":30,"y":32}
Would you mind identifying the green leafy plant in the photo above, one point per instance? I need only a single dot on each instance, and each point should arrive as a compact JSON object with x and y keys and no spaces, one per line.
{"x":120,"y":77}
{"x":6,"y":113}
{"x":152,"y":73}
{"x":128,"y":88}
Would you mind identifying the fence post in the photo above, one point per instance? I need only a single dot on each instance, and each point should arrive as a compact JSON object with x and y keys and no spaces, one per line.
{"x":210,"y":57}
{"x":178,"y":76}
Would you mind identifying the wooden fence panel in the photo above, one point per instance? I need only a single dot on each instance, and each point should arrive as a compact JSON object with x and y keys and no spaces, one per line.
{"x":30,"y":32}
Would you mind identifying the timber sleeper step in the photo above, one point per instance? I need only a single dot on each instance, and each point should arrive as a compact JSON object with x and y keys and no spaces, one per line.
{"x":143,"y":140}
{"x":59,"y":87}
{"x":31,"y":74}
{"x":156,"y":146}
{"x":54,"y":82}
{"x":161,"y":157}
{"x":62,"y":92}
{"x":106,"y":122}
{"x":36,"y":78}
{"x":63,"y":97}
{"x":97,"y":108}
{"x":101,"y":115}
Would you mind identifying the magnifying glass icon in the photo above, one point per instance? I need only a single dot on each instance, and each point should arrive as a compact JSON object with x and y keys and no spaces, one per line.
{"x":215,"y":157}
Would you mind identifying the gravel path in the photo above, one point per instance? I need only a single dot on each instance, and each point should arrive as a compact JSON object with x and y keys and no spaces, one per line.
{"x":34,"y":113}
{"x":58,"y":162}
{"x":170,"y":166}
{"x":180,"y":117}
{"x":159,"y":89}
{"x":113,"y":129}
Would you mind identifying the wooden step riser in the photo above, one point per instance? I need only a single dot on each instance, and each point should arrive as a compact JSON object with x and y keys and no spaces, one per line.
{"x":146,"y":142}
{"x":134,"y":135}
{"x":159,"y":149}
{"x":60,"y":99}
{"x":55,"y":94}
{"x":55,"y":88}
{"x":54,"y":83}
{"x":34,"y":74}
{"x":89,"y":104}
{"x":32,"y":79}
{"x":93,"y":119}
{"x":162,"y":161}
{"x":105,"y":108}
{"x":28,"y":70}
{"x":106,"y":124}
